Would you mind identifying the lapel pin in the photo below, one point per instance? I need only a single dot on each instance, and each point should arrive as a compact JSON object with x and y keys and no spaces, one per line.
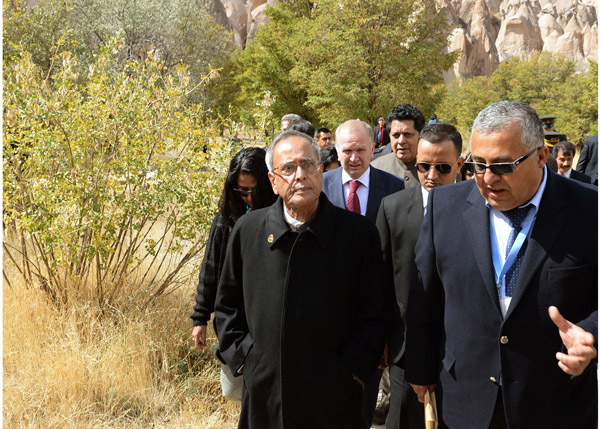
{"x":270,"y":238}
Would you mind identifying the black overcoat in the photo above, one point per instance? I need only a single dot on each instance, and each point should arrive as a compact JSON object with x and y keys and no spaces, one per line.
{"x":302,"y":315}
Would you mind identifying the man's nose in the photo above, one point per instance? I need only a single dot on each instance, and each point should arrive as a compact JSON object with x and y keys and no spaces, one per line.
{"x":489,"y":176}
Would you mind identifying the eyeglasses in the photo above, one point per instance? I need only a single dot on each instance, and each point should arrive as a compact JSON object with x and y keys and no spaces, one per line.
{"x":244,"y":191}
{"x":499,"y":168}
{"x":309,"y":165}
{"x":441,"y":168}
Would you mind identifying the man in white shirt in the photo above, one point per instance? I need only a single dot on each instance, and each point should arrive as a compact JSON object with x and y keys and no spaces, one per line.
{"x":496,"y":261}
{"x":399,"y":221}
{"x":564,"y":152}
{"x":359,"y":187}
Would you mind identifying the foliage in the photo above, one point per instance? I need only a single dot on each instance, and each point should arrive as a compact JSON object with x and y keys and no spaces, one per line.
{"x":107,"y":184}
{"x":548,"y":82}
{"x":176,"y":32}
{"x":333,"y":60}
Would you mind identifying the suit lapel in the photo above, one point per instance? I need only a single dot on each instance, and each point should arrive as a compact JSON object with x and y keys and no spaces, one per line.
{"x":549,"y":222}
{"x":374,"y":197}
{"x":336,"y":189}
{"x":414,"y":209}
{"x":477,"y":219}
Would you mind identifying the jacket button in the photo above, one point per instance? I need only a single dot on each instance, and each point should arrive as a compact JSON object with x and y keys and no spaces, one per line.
{"x":493,"y":379}
{"x":504,"y":339}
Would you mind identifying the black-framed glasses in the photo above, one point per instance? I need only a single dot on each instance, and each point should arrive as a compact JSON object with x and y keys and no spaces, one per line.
{"x":244,"y":191}
{"x":499,"y":168}
{"x":309,"y":165}
{"x":441,"y":168}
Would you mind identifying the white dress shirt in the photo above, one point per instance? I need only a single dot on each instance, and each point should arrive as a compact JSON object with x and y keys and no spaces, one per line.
{"x":362,"y":192}
{"x":501,"y":227}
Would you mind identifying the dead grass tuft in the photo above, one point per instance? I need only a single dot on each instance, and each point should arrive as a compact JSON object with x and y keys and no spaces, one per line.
{"x":82,"y":368}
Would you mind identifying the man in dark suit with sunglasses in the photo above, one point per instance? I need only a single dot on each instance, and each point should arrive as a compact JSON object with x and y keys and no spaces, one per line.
{"x":503,"y":312}
{"x":399,"y":221}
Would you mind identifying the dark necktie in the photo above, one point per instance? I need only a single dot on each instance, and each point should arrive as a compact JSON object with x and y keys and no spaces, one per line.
{"x":516,"y":217}
{"x":353,"y":204}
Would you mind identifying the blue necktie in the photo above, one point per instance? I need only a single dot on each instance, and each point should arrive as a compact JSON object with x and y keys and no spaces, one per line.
{"x":516,"y":217}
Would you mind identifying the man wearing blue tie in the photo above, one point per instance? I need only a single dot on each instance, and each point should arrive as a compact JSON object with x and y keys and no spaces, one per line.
{"x":485,"y":321}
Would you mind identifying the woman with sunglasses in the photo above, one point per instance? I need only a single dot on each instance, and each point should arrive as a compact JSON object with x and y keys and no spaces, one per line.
{"x":246,"y":187}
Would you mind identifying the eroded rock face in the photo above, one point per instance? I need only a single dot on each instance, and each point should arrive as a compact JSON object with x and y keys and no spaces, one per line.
{"x":490,"y":31}
{"x":486,"y":31}
{"x":245,"y":16}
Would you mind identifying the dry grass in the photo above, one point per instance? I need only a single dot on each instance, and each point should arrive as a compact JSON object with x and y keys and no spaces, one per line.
{"x":122,"y":368}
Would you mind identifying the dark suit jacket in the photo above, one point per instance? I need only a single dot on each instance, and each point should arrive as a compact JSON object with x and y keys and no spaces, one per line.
{"x":386,"y":136}
{"x":381,"y":184}
{"x":456,"y":333}
{"x":588,"y":159}
{"x":399,"y":222}
{"x":576,"y":175}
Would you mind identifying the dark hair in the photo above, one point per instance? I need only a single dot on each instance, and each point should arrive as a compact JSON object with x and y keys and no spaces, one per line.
{"x":437,"y":133}
{"x":321,"y":131}
{"x":433,"y":116}
{"x":405,"y":112}
{"x":551,"y":163}
{"x":250,"y":160}
{"x":303,"y":126}
{"x":328,"y":156}
{"x":463,"y":169}
{"x":564,"y":147}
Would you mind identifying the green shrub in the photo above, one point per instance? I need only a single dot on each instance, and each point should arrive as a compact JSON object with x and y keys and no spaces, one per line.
{"x":111,"y":185}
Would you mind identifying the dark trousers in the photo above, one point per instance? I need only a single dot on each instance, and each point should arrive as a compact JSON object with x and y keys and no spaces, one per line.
{"x":370,"y":393}
{"x":405,"y":411}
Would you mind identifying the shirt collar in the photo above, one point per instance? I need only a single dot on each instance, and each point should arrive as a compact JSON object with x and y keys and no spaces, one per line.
{"x":364,"y":179}
{"x":425,"y":195}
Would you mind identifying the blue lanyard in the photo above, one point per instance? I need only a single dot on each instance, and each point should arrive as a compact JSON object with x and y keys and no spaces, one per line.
{"x":500,"y":269}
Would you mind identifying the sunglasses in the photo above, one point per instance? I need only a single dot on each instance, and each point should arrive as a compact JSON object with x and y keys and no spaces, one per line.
{"x":442,"y":168}
{"x":499,"y":168}
{"x":244,"y":191}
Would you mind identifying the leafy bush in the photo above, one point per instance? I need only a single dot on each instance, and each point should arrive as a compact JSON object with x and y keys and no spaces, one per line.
{"x":110,"y":186}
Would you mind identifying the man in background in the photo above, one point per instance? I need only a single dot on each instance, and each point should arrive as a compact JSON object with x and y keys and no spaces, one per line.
{"x":564,"y":153}
{"x":405,"y":122}
{"x":324,"y":137}
{"x":359,"y":187}
{"x":399,"y":222}
{"x":588,"y":159}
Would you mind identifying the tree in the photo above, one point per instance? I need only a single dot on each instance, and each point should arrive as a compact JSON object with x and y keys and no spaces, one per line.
{"x":547,"y":82}
{"x":176,"y":32}
{"x":332,"y":60}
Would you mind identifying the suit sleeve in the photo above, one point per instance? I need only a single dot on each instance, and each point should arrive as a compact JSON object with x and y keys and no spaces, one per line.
{"x":364,"y":349}
{"x":425,"y":312}
{"x":584,"y":158}
{"x":383,"y":226}
{"x":235,"y":341}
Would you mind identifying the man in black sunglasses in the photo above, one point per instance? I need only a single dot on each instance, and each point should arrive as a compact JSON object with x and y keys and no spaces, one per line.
{"x":497,"y":257}
{"x":399,"y":221}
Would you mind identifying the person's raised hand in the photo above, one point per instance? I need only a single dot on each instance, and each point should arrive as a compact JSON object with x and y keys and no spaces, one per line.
{"x":579,"y":344}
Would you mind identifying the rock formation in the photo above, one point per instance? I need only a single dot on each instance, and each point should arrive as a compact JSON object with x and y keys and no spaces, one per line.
{"x":485,"y":31}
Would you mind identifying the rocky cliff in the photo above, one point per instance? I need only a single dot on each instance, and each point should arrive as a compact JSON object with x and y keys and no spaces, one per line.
{"x":485,"y":31}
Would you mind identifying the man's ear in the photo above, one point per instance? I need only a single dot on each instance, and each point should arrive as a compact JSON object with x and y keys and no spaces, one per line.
{"x":460,"y":163}
{"x":542,"y":156}
{"x":272,"y":180}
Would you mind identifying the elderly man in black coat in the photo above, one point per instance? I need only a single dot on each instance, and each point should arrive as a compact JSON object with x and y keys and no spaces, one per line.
{"x":301,"y":310}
